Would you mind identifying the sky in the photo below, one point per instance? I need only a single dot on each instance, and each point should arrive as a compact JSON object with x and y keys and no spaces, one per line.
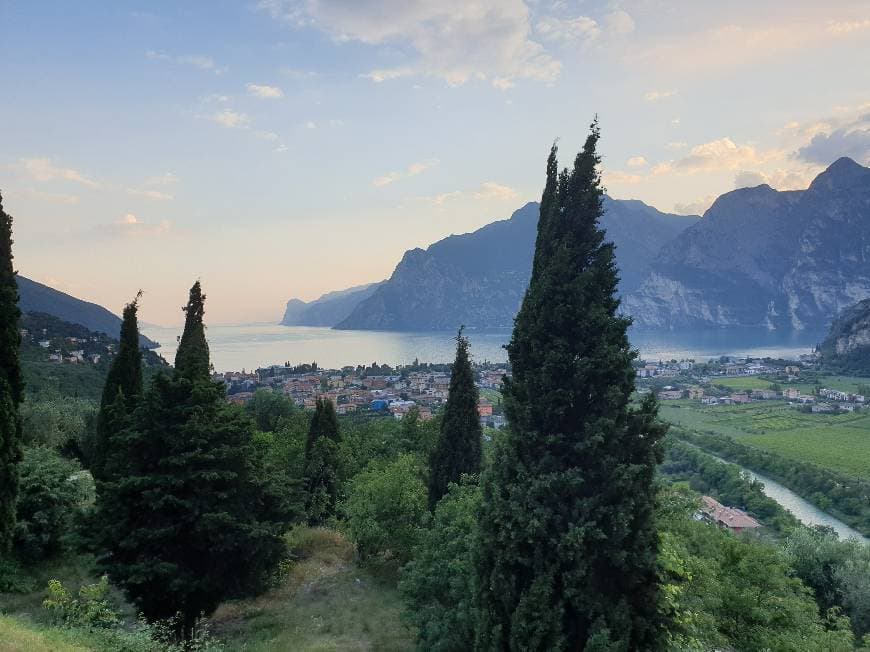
{"x":285,"y":148}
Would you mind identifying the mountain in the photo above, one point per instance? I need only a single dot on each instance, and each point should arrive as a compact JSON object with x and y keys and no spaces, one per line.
{"x":760,"y":257}
{"x":478,"y":279}
{"x":329,"y":309}
{"x":36,"y":297}
{"x":847,"y":348}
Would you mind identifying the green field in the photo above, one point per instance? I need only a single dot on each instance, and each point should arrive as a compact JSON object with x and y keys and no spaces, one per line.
{"x":838,"y":442}
{"x":741,"y":382}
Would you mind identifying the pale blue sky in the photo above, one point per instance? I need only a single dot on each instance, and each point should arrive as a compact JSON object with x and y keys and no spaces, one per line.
{"x":286,"y":148}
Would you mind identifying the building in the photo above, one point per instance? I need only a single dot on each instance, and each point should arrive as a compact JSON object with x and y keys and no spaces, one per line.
{"x":791,"y":393}
{"x":670,"y":394}
{"x":729,"y":518}
{"x":484,"y":408}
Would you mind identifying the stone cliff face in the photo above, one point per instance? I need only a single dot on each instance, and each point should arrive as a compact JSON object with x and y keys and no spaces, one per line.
{"x":847,"y":347}
{"x":479,"y":279}
{"x":327,"y":310}
{"x":782,"y":260}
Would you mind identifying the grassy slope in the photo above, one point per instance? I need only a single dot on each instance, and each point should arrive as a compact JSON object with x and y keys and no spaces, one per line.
{"x":838,"y":442}
{"x":18,"y":636}
{"x":326,"y":602}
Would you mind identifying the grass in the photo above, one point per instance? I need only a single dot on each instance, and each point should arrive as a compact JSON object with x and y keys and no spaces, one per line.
{"x":838,"y":442}
{"x":325,"y":602}
{"x":741,"y":382}
{"x":19,"y":636}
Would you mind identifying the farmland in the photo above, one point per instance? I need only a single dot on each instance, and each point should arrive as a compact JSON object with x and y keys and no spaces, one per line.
{"x":838,"y":442}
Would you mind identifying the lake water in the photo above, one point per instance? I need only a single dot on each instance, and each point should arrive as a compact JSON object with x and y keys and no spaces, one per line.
{"x":248,"y":346}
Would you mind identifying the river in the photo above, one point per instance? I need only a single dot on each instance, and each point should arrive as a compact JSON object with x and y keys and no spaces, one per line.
{"x":237,"y":346}
{"x":803,"y":510}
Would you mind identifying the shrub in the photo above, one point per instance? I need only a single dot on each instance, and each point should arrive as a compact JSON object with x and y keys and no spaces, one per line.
{"x":385,"y":508}
{"x":53,"y":492}
{"x":90,"y":609}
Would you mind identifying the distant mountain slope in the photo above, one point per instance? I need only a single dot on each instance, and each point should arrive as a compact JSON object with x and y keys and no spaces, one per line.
{"x":759,"y":257}
{"x":329,"y":309}
{"x":478,"y":279}
{"x":36,"y":297}
{"x":847,"y":347}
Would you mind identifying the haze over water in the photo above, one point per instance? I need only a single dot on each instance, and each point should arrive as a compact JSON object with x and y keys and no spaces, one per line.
{"x":249,"y":346}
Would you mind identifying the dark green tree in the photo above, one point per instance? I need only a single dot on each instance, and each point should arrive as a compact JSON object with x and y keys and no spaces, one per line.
{"x":125,"y":380}
{"x":459,"y":445}
{"x":567,"y":545}
{"x":322,"y":469}
{"x":187,"y":520}
{"x":11,"y":385}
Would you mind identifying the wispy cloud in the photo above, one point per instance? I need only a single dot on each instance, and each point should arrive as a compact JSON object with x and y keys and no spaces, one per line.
{"x":566,"y":30}
{"x":230,"y":119}
{"x":411,"y":171}
{"x":655,"y":96}
{"x":42,"y":169}
{"x":150,"y":193}
{"x":51,"y":197}
{"x":637,"y":162}
{"x":265,"y":92}
{"x":199,"y":61}
{"x":130,"y":226}
{"x":490,"y":190}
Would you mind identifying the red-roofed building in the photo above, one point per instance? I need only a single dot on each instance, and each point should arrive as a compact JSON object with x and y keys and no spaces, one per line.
{"x":731,"y":518}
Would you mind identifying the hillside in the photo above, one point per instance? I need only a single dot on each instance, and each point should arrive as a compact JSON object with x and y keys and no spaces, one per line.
{"x":329,"y":309}
{"x":478,"y":279}
{"x":847,"y":347}
{"x":36,"y":297}
{"x":764,"y":258}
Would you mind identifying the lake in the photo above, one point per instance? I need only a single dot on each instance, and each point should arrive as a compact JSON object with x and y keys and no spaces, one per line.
{"x":248,"y":346}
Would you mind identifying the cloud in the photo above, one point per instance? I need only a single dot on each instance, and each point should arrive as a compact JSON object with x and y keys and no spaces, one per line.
{"x":293,"y":73}
{"x":51,"y":197}
{"x":150,"y":193}
{"x":199,"y":61}
{"x":311,"y":124}
{"x":265,"y":92}
{"x":655,"y":96}
{"x":825,"y":148}
{"x":676,"y":145}
{"x":454,"y":40}
{"x":42,"y":169}
{"x":230,"y":119}
{"x":617,"y":177}
{"x":721,"y":154}
{"x":266,"y":135}
{"x":387,"y":74}
{"x":130,"y":226}
{"x":748,"y":179}
{"x":491,"y":190}
{"x":840,"y":28}
{"x":566,"y":30}
{"x":165,"y":179}
{"x":637,"y":162}
{"x":619,"y":22}
{"x":411,"y":171}
{"x":698,"y":207}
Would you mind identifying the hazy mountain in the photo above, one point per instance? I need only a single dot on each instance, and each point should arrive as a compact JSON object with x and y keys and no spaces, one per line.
{"x":847,"y":347}
{"x":478,"y":279}
{"x":759,"y":257}
{"x":329,"y":309}
{"x":36,"y":297}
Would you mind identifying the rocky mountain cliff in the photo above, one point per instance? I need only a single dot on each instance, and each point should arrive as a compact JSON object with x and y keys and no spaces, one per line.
{"x":847,"y":347}
{"x":478,"y":279}
{"x":759,"y":257}
{"x":327,"y":310}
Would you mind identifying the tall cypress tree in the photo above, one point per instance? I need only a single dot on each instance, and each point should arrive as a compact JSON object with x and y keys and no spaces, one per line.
{"x":567,"y":544}
{"x":124,"y":380}
{"x":11,"y":384}
{"x":459,"y":445}
{"x":322,"y":468}
{"x":187,"y":523}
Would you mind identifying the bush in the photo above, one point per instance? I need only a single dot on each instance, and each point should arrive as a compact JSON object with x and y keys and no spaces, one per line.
{"x":54,"y":490}
{"x":437,"y":584}
{"x":90,"y":609}
{"x":385,"y":509}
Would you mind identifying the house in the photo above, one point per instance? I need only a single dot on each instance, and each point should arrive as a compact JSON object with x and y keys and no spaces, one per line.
{"x":791,"y":393}
{"x":763,"y":394}
{"x":792,"y":370}
{"x":670,"y":394}
{"x":44,"y":343}
{"x":484,"y":408}
{"x":729,"y":518}
{"x":740,"y":397}
{"x":695,"y":393}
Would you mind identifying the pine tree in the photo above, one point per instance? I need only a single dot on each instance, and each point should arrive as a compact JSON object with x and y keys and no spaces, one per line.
{"x":125,"y":380}
{"x":322,"y":468}
{"x":567,"y":544}
{"x":459,"y":445}
{"x":11,"y":385}
{"x":185,"y":520}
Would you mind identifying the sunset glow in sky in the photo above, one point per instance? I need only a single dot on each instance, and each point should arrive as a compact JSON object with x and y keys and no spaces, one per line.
{"x":286,"y":148}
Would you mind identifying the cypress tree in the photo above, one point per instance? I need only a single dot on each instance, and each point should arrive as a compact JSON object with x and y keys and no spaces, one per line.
{"x":11,"y":385}
{"x":322,"y":468}
{"x":567,"y":545}
{"x":125,"y":380}
{"x":187,"y":522}
{"x":458,"y":449}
